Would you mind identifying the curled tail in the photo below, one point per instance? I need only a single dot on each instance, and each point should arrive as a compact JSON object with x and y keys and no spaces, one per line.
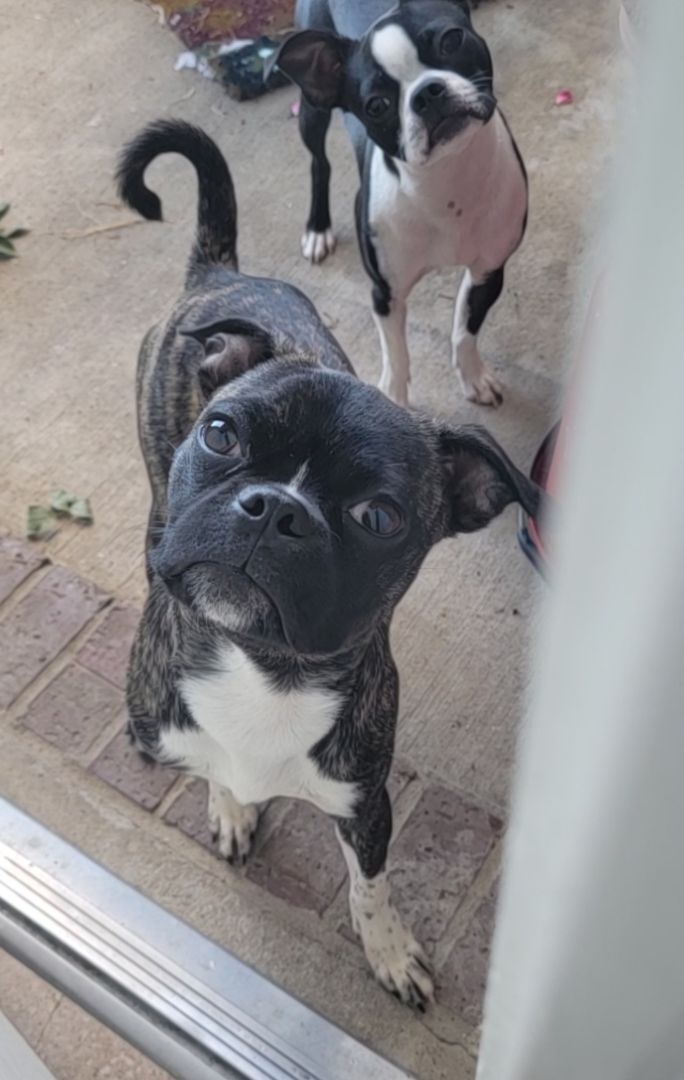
{"x":216,"y":239}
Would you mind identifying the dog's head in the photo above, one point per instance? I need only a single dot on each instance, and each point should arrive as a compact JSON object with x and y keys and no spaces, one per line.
{"x":303,"y":502}
{"x":420,"y":80}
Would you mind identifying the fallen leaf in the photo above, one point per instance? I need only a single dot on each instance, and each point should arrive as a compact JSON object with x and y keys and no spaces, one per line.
{"x":61,"y":502}
{"x":80,"y":510}
{"x":41,"y":523}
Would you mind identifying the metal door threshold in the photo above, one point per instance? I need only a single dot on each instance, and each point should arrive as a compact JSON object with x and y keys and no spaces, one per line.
{"x":189,"y":1005}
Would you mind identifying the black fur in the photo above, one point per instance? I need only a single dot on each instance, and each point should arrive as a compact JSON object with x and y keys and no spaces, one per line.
{"x":216,"y":239}
{"x":313,"y":127}
{"x":481,"y":297}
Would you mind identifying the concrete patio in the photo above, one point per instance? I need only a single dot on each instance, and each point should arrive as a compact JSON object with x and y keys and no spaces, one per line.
{"x":77,"y":83}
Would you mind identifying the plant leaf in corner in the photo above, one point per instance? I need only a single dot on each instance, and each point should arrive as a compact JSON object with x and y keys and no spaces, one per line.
{"x":61,"y":502}
{"x":40,"y":523}
{"x":80,"y":510}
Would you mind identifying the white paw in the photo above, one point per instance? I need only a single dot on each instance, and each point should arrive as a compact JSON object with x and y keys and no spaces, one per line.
{"x":232,"y":825}
{"x":483,"y":388}
{"x":395,"y":389}
{"x":316,"y":246}
{"x":397,"y":960}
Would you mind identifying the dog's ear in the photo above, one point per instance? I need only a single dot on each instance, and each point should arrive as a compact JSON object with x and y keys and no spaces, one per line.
{"x":480,"y":480}
{"x":231,"y":347}
{"x":315,"y":60}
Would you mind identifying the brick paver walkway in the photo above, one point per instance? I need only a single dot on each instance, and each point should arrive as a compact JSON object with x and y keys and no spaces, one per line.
{"x":446,"y":849}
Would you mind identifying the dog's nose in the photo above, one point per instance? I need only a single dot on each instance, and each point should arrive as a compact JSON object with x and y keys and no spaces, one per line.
{"x":427,"y":96}
{"x":283,"y":512}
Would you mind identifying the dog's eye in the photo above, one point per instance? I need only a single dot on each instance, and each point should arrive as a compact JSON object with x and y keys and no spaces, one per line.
{"x":378,"y":516}
{"x":450,"y":42}
{"x":219,"y":436}
{"x":377,"y":107}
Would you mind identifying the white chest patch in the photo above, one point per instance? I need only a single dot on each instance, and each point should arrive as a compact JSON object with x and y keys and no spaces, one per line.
{"x":465,"y":209}
{"x":394,"y":51}
{"x":255,"y":740}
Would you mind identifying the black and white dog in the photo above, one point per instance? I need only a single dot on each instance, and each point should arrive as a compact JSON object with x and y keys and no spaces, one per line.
{"x":292,"y":506}
{"x":442,"y":181}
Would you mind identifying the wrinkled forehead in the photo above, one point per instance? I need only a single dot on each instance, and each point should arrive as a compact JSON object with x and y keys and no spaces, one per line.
{"x":334,"y":424}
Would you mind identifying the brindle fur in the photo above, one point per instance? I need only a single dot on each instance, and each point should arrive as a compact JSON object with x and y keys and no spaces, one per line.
{"x":460,"y":479}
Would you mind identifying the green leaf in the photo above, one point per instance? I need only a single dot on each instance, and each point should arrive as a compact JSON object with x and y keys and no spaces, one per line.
{"x":4,"y":207}
{"x":16,"y":233}
{"x":80,"y":511}
{"x":7,"y":255}
{"x":6,"y":246}
{"x":40,"y":523}
{"x":62,"y":501}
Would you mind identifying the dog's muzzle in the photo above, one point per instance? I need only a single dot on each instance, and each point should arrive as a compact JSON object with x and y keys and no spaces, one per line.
{"x":265,"y":537}
{"x":445,"y":113}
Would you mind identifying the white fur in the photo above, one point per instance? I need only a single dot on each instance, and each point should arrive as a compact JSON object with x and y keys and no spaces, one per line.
{"x":232,"y":824}
{"x":395,"y":956}
{"x":297,"y":481}
{"x":414,"y":137}
{"x":465,"y":208}
{"x":316,"y":246}
{"x":254,"y":740}
{"x":393,"y":50}
{"x":478,"y":383}
{"x":396,"y":362}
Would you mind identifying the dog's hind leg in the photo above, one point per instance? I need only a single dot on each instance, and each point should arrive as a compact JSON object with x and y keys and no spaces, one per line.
{"x":395,"y":956}
{"x":477,"y":294}
{"x":318,"y":240}
{"x":390,"y":320}
{"x":232,"y":825}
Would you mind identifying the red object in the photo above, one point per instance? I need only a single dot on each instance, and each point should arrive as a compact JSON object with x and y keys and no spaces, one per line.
{"x":197,"y":22}
{"x":565,"y":97}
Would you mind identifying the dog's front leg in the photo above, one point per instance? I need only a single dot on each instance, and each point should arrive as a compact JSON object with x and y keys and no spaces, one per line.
{"x":232,"y":824}
{"x":395,"y":956}
{"x":476,"y":295}
{"x":396,"y":373}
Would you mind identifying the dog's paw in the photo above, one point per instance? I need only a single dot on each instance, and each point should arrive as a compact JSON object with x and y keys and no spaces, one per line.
{"x":483,"y":388}
{"x":397,"y":960}
{"x":395,"y":389}
{"x":316,"y":246}
{"x":232,"y":825}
